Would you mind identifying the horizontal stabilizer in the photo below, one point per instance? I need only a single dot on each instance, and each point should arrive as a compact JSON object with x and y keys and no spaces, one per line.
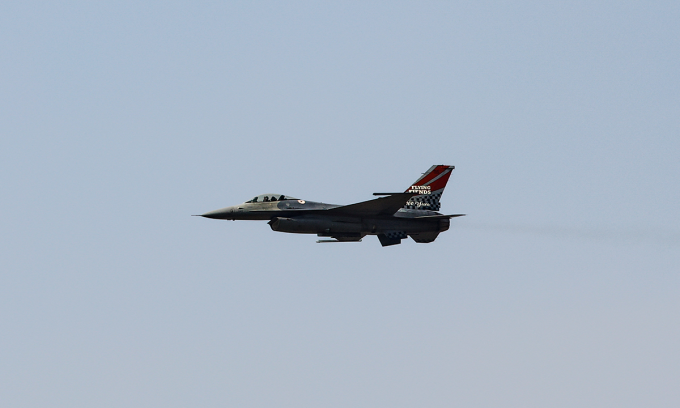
{"x":379,"y":206}
{"x":437,"y":217}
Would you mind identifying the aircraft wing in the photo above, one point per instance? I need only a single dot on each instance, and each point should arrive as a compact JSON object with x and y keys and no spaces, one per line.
{"x":379,"y":206}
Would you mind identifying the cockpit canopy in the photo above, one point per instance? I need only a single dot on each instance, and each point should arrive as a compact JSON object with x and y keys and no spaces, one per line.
{"x":265,"y":198}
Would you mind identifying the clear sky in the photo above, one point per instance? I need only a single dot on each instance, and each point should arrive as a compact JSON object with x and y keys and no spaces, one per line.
{"x":118,"y":120}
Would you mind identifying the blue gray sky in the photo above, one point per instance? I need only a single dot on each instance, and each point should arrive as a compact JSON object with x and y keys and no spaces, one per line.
{"x":121,"y":119}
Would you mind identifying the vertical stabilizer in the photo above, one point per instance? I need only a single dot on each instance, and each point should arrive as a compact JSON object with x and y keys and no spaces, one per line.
{"x":430,"y":187}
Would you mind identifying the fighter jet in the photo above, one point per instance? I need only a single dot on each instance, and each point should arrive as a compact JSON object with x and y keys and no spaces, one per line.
{"x":392,"y":217}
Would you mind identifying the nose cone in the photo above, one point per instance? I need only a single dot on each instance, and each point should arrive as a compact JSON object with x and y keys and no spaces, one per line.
{"x":221,"y":214}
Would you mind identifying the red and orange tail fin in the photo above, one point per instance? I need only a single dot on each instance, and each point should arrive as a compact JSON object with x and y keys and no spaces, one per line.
{"x":430,"y":187}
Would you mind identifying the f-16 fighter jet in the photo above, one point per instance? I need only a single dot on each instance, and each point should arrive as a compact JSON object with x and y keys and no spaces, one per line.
{"x":392,"y":217}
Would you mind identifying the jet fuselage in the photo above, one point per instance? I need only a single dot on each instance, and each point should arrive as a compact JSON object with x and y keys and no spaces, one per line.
{"x":392,"y":218}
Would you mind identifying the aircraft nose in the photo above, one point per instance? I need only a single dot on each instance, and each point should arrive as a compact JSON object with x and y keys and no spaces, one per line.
{"x":221,"y":214}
